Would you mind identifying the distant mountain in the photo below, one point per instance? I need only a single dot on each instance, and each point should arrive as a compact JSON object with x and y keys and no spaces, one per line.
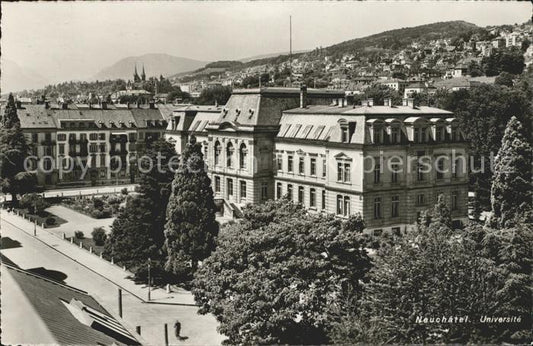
{"x":154,"y":65}
{"x":17,"y":78}
{"x":388,"y":41}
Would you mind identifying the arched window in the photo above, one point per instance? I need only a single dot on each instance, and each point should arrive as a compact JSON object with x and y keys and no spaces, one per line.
{"x":218,"y":150}
{"x":229,"y":154}
{"x":243,"y":156}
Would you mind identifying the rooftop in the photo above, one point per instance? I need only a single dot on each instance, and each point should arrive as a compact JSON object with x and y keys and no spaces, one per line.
{"x":370,"y":110}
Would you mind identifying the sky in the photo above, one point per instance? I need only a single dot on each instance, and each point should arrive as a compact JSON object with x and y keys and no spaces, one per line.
{"x":74,"y":40}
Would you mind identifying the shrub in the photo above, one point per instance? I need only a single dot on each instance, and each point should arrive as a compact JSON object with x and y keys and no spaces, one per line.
{"x":50,"y":221}
{"x":124,"y":191}
{"x":79,"y":235}
{"x":34,"y":203}
{"x":99,"y":236}
{"x":98,"y":203}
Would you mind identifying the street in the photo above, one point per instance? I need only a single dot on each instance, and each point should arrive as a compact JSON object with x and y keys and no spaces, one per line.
{"x":76,"y":269}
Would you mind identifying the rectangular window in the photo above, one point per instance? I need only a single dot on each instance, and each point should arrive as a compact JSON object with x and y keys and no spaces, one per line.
{"x":93,"y":136}
{"x":34,"y":137}
{"x":346,"y":208}
{"x":61,"y":149}
{"x":264,"y":191}
{"x":217,"y":184}
{"x":102,"y":160}
{"x":101,"y":136}
{"x":417,"y":135}
{"x":279,"y":160}
{"x":340,"y":171}
{"x":395,"y":208}
{"x":377,"y":135}
{"x":301,"y":165}
{"x":438,"y":134}
{"x":420,"y":199}
{"x":243,"y":189}
{"x":324,"y":168}
{"x":93,"y":148}
{"x":312,"y":198}
{"x":301,"y":194}
{"x":377,"y":173}
{"x":394,"y":172}
{"x":230,"y":187}
{"x":339,"y":205}
{"x":289,"y":164}
{"x":395,"y":135}
{"x":61,"y":137}
{"x":323,"y":199}
{"x":278,"y":190}
{"x":347,"y":172}
{"x":313,"y":166}
{"x":344,"y":136}
{"x":132,"y":137}
{"x":377,"y":208}
{"x":440,"y":168}
{"x":455,"y":200}
{"x":289,"y":191}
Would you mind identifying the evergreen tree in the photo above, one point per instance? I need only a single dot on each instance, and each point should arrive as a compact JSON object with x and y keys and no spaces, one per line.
{"x":158,"y":168}
{"x":512,"y":190}
{"x":13,"y":151}
{"x":191,"y":228}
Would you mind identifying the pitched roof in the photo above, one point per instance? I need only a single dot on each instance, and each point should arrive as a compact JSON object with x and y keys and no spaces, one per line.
{"x":49,"y":301}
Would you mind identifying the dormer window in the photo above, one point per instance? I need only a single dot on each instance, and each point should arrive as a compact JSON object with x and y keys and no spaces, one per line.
{"x":378,"y":134}
{"x":395,"y":135}
{"x":344,"y":134}
{"x":420,"y":134}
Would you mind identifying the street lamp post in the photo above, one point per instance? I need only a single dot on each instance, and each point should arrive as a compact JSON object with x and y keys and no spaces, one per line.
{"x":149,"y":279}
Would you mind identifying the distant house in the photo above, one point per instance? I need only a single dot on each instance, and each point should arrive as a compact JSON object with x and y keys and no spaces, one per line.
{"x":453,"y":84}
{"x":395,"y":84}
{"x":43,"y":311}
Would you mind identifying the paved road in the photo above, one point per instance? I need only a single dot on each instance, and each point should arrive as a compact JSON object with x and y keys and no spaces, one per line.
{"x":101,"y":279}
{"x":82,"y":191}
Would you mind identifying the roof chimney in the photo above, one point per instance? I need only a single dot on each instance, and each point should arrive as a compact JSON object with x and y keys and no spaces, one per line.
{"x":387,"y":102}
{"x":341,"y":102}
{"x":104,"y":105}
{"x":370,"y":102}
{"x":404,"y":101}
{"x":303,"y":96}
{"x":411,"y":102}
{"x":152,"y":105}
{"x":64,"y":105}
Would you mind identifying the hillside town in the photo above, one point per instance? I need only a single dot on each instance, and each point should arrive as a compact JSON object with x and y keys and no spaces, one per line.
{"x":376,"y":191}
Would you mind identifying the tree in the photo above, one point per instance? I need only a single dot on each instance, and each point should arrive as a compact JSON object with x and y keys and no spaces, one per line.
{"x":14,"y":178}
{"x":158,"y":166}
{"x":483,"y":113}
{"x":191,"y":228}
{"x":218,"y":93}
{"x":429,"y":273}
{"x":275,"y":274}
{"x":512,"y":190}
{"x":514,"y":296}
{"x":505,"y":79}
{"x":379,"y":92}
{"x":131,"y":240}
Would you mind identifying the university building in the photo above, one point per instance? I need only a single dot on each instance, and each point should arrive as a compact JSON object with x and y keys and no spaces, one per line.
{"x":332,"y":158}
{"x":273,"y":142}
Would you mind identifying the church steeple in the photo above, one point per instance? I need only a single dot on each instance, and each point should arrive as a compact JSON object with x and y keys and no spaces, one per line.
{"x":143,"y":75}
{"x":136,"y":75}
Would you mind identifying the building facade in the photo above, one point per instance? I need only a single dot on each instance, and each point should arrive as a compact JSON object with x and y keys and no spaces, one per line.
{"x":84,"y":145}
{"x":332,"y":158}
{"x":387,"y":162}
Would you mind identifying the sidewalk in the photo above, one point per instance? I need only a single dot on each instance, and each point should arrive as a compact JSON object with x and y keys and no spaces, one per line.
{"x":110,"y":272}
{"x":102,"y":279}
{"x":81,"y":191}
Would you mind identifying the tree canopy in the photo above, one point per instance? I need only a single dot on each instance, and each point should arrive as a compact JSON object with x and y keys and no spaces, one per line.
{"x":273,"y":276}
{"x":191,"y":228}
